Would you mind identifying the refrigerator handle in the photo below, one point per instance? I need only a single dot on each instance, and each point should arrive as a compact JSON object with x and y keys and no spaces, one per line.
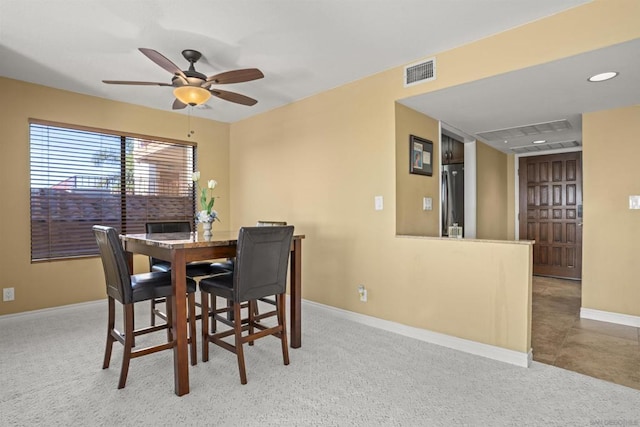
{"x":445,"y":203}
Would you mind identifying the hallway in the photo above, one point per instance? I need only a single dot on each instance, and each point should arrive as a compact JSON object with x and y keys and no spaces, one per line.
{"x":559,"y":337}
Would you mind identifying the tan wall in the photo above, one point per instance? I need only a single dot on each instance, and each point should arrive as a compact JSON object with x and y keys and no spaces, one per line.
{"x":611,"y":232}
{"x":50,"y":284}
{"x":411,"y":219}
{"x":491,"y":187}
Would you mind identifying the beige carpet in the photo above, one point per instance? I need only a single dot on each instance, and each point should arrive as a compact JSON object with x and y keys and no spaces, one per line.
{"x":345,"y":374}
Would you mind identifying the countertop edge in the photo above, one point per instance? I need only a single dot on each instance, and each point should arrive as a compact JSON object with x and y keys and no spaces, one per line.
{"x":451,"y":239}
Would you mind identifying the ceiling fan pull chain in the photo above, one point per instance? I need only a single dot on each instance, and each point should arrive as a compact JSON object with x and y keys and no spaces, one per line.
{"x":189,"y":130}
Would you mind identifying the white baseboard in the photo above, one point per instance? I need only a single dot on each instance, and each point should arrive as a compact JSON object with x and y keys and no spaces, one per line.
{"x":34,"y":313}
{"x":479,"y":349}
{"x":608,"y":316}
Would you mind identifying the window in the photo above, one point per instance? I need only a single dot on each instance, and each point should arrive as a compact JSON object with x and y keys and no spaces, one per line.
{"x":81,"y":177}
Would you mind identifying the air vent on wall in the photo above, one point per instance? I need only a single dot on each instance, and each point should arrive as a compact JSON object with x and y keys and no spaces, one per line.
{"x":420,"y":72}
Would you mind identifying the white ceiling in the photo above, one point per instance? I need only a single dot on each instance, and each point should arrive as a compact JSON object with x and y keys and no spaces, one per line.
{"x":305,"y":47}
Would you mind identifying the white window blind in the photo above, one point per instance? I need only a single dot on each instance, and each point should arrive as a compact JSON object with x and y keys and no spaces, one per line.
{"x":82,"y":177}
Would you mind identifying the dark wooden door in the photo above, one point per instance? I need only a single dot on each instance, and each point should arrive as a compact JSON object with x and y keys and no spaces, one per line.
{"x":551,"y":212}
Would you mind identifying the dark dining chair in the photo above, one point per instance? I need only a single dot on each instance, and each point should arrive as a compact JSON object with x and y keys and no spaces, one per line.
{"x":129,"y":289}
{"x":269,"y":224}
{"x":262,"y":257}
{"x":194,"y":269}
{"x":221,"y":267}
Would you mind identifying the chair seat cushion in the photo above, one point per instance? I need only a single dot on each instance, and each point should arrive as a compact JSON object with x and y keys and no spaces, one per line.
{"x":194,"y":269}
{"x":162,"y":266}
{"x":220,"y":285}
{"x":222,"y":267}
{"x":153,"y":285}
{"x":197,"y":269}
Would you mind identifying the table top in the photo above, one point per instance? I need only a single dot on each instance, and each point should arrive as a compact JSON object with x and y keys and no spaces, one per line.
{"x":188,"y":240}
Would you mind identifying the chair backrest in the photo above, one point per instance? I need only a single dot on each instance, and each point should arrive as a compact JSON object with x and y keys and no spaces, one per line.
{"x":166,"y":227}
{"x":262,"y":257}
{"x":114,"y":263}
{"x":270,"y":223}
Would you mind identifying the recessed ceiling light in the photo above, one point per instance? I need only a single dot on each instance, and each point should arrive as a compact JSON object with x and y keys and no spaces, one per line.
{"x":539,"y":141}
{"x":603,"y":76}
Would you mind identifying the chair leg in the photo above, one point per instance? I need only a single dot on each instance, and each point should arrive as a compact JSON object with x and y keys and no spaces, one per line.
{"x":191,"y":299}
{"x":230,"y":312}
{"x":153,"y":312}
{"x":282,"y":322}
{"x":128,"y":343}
{"x":204,"y":306}
{"x":169,"y":310}
{"x":256,"y":311}
{"x":212,"y":298}
{"x":238,"y":337}
{"x":253,"y":305}
{"x":111,"y":323}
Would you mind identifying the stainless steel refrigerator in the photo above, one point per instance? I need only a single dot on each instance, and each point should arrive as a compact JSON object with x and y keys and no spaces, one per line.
{"x":452,"y":196}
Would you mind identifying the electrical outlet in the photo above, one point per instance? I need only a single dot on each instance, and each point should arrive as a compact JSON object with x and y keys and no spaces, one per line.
{"x":8,"y":294}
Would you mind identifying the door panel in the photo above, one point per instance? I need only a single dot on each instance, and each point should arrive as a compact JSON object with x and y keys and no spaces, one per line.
{"x":551,"y":214}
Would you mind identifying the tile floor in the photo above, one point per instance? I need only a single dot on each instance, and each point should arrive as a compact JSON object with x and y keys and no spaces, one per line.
{"x":559,"y":337}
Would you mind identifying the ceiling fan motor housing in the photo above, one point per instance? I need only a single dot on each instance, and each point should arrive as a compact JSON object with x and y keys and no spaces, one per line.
{"x":194,"y":78}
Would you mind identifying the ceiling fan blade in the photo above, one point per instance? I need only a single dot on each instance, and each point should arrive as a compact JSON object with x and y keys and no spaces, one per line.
{"x":178,"y":105}
{"x":235,"y":76}
{"x":233,"y":97}
{"x":126,"y":82}
{"x":162,"y":61}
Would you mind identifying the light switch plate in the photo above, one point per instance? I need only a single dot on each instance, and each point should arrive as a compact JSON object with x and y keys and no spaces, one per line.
{"x":427,"y":203}
{"x":634,"y":202}
{"x":378,"y":203}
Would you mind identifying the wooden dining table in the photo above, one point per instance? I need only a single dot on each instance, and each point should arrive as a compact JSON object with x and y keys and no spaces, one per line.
{"x":181,"y":248}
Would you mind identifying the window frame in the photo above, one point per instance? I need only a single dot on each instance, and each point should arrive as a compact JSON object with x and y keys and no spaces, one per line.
{"x":185,"y":192}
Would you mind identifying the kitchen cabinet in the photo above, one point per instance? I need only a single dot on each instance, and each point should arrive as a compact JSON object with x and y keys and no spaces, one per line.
{"x":452,"y":151}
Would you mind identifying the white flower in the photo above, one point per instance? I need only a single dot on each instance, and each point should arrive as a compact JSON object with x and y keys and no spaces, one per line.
{"x":207,"y":214}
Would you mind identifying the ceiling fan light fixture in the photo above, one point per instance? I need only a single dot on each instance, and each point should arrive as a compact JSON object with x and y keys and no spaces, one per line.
{"x":192,"y":95}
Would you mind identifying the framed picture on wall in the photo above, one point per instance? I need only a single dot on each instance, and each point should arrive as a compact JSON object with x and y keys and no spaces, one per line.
{"x":420,"y":156}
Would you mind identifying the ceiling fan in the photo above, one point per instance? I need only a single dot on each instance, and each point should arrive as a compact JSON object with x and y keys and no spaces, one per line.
{"x":192,"y":87}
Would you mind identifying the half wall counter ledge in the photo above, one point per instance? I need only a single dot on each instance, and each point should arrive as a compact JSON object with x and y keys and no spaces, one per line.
{"x":484,"y":294}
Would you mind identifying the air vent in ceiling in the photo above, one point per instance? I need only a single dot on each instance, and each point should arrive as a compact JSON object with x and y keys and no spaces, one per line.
{"x":527,"y":130}
{"x":420,"y":72}
{"x":545,"y":147}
